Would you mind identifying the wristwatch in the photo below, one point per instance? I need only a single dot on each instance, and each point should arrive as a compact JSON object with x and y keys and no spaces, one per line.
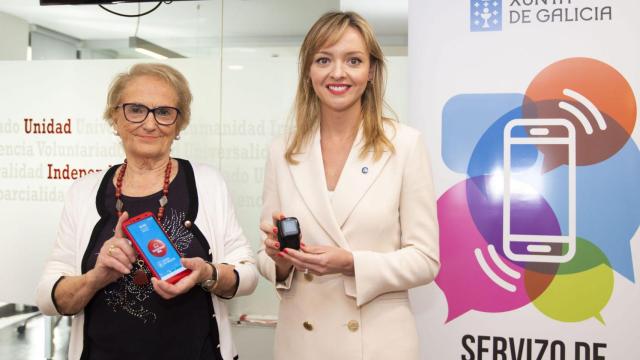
{"x":209,"y":284}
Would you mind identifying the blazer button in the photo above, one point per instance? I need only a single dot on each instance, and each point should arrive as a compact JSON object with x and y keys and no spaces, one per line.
{"x":353,"y":325}
{"x":188,"y":224}
{"x":308,"y":277}
{"x":307,"y":325}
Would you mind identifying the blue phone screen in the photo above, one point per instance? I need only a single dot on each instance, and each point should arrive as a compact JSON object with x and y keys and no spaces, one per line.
{"x":158,"y":250}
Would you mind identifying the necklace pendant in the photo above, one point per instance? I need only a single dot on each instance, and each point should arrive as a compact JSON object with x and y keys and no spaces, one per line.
{"x":119,"y":205}
{"x":140,"y":278}
{"x":163,"y":200}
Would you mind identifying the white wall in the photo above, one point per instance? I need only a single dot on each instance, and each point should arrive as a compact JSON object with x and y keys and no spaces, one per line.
{"x":46,"y":47}
{"x":15,"y":38}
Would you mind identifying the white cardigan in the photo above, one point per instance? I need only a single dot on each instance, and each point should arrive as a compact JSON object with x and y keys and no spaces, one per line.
{"x":216,"y":219}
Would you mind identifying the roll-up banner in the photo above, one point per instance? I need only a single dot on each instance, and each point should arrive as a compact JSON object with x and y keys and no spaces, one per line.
{"x":529,"y":108}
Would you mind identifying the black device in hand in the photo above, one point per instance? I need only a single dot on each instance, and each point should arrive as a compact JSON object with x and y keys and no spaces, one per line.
{"x":289,"y":233}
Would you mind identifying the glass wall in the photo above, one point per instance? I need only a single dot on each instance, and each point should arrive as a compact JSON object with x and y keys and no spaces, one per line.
{"x":53,"y":96}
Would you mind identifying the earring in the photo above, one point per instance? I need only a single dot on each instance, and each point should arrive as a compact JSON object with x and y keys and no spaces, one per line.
{"x":115,"y":132}
{"x":177,"y":137}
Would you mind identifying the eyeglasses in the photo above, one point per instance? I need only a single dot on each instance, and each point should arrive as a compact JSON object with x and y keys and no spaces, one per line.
{"x":137,"y":113}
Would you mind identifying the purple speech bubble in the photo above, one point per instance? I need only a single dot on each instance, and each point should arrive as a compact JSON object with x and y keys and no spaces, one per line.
{"x":530,"y":213}
{"x":473,"y":274}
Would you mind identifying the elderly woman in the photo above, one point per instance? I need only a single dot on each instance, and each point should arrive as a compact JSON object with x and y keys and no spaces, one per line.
{"x":94,"y":274}
{"x":360,"y":186}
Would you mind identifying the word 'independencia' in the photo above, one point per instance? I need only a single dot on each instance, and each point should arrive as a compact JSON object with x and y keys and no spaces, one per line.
{"x":66,"y":172}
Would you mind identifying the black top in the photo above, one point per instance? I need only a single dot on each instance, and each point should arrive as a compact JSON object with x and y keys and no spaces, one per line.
{"x":129,"y":321}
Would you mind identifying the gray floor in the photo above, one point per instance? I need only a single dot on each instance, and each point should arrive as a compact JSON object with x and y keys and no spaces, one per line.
{"x":29,"y":344}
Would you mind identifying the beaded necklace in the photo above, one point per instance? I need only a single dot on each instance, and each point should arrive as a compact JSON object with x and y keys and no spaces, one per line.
{"x":165,"y":190}
{"x":140,"y":276}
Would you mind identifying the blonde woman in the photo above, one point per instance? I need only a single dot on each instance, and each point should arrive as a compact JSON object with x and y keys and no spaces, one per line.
{"x":360,"y":185}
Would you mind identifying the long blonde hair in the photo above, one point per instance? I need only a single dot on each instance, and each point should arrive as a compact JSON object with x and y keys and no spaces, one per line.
{"x":327,"y":31}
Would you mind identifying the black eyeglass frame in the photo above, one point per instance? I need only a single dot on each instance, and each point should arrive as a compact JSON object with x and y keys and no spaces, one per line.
{"x":149,"y":110}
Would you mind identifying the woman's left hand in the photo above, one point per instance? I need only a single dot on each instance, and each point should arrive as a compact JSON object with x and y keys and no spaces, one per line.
{"x":200,"y":271}
{"x":321,"y":260}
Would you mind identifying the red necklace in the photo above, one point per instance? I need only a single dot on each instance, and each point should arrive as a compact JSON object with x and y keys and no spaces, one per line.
{"x":140,"y":276}
{"x":165,"y":190}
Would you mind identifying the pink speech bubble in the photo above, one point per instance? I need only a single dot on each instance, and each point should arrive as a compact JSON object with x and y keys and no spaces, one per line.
{"x":474,"y":276}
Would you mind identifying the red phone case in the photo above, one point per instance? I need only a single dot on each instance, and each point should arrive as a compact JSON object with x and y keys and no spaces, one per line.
{"x":174,"y":279}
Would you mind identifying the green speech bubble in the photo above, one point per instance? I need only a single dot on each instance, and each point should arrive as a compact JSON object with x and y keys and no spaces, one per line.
{"x":581,"y":288}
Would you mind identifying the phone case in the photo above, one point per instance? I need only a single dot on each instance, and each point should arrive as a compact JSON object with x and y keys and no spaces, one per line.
{"x":175,"y":278}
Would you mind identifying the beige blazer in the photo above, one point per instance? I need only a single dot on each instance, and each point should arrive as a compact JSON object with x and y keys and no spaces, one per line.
{"x":384,"y":212}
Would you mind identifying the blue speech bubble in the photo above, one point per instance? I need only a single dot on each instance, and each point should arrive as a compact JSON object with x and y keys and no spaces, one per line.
{"x":488,"y":155}
{"x":608,"y":206}
{"x":465,"y":120}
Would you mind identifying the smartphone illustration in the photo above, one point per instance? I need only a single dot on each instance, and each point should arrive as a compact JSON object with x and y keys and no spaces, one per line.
{"x":154,"y":247}
{"x":548,"y":141}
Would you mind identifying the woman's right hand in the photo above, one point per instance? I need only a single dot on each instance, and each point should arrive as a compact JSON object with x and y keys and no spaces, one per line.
{"x":272,"y":246}
{"x":73,"y":293}
{"x":115,"y":258}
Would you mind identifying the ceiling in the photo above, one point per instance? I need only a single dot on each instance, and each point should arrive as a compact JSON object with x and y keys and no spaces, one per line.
{"x":185,"y":26}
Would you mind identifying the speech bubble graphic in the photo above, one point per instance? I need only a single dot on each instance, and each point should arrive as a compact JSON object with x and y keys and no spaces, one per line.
{"x":462,"y":271}
{"x":593,"y":96}
{"x":581,"y":289}
{"x":465,"y":120}
{"x":608,"y":213}
{"x":531,"y":214}
{"x":593,"y":147}
{"x":600,"y":106}
{"x":607,"y":210}
{"x":487,"y":156}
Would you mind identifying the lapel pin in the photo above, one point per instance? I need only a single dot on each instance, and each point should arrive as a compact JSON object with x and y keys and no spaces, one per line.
{"x":365,"y":170}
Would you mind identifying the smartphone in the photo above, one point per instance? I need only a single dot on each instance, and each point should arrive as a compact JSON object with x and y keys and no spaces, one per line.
{"x":154,"y":247}
{"x":533,"y":147}
{"x":289,"y":233}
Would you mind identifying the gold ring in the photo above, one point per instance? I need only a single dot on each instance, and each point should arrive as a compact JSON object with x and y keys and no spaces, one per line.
{"x":110,"y":250}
